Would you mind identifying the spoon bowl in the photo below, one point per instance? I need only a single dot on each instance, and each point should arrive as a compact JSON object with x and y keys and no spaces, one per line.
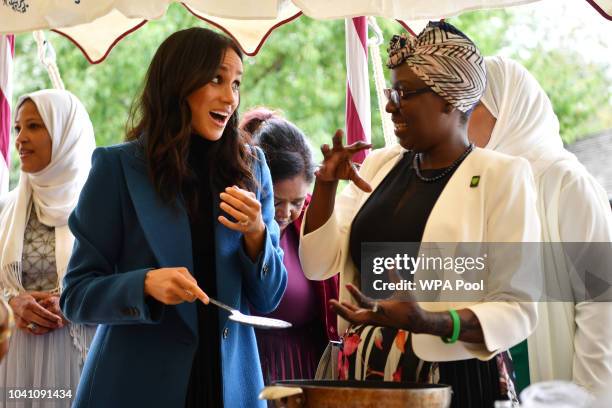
{"x":255,"y":321}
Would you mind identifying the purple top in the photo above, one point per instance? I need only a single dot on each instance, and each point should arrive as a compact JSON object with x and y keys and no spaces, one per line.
{"x":300,"y":303}
{"x":293,"y":353}
{"x":319,"y":292}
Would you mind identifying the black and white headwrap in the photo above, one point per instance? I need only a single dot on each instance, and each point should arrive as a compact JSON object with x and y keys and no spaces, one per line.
{"x":446,"y":60}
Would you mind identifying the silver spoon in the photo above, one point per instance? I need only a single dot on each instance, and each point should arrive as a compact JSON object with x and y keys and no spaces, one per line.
{"x":255,"y":321}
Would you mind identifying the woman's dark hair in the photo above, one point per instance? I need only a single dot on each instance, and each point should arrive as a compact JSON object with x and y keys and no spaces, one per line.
{"x":255,"y":117}
{"x":287,"y":151}
{"x":160,"y":119}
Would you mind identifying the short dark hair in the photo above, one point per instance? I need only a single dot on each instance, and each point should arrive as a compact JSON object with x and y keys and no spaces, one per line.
{"x":287,"y":150}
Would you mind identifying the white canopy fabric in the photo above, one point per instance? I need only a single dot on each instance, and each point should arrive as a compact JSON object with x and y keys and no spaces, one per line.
{"x":96,"y":26}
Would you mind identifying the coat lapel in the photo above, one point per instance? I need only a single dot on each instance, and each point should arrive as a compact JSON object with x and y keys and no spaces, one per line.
{"x":457,"y":198}
{"x":166,"y":228}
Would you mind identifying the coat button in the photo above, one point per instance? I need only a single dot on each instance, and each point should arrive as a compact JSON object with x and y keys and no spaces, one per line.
{"x":265,"y":269}
{"x":225,"y":333}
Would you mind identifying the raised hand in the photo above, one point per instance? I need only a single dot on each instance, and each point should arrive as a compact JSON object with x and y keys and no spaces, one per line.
{"x":243,"y":206}
{"x":337,"y":164}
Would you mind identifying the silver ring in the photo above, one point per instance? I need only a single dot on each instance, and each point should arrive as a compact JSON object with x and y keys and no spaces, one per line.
{"x":32,"y":326}
{"x":244,"y":223}
{"x":375,"y":307}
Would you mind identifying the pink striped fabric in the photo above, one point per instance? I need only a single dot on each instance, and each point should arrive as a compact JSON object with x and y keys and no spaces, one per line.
{"x":7,"y":51}
{"x":358,"y":122}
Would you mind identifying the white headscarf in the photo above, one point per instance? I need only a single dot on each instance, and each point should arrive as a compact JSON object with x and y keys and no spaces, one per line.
{"x":526,"y":123}
{"x":54,"y":190}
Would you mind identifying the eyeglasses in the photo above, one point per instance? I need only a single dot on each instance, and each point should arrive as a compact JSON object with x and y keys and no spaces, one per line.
{"x":395,"y":95}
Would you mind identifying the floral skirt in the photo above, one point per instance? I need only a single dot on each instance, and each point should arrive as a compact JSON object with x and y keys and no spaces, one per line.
{"x":385,"y":354}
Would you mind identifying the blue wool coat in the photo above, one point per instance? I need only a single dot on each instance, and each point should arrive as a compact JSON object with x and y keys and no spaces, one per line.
{"x":143,"y":350}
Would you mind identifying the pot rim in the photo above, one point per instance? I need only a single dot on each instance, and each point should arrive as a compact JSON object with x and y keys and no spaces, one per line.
{"x":365,"y":385}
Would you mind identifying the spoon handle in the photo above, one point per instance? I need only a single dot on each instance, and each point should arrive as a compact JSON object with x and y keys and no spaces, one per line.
{"x":222,"y":305}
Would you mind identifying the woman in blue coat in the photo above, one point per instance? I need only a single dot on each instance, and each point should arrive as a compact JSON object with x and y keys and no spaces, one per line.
{"x":182,"y":211}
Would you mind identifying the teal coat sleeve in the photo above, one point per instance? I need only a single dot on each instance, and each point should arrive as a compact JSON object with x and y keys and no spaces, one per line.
{"x":93,"y":290}
{"x":265,"y":279}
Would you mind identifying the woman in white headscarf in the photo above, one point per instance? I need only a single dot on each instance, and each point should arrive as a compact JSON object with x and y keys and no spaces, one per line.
{"x":55,"y":140}
{"x":572,"y":339}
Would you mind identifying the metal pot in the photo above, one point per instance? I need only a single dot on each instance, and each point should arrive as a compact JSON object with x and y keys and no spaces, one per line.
{"x":357,"y":394}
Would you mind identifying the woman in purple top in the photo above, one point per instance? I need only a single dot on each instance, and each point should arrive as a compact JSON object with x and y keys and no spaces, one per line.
{"x":292,"y":353}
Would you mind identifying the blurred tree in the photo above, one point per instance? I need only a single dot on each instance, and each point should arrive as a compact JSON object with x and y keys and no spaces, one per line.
{"x":579,"y":92}
{"x":301,"y":71}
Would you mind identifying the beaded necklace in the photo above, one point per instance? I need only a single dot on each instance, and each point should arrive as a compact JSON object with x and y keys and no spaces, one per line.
{"x":417,"y":160}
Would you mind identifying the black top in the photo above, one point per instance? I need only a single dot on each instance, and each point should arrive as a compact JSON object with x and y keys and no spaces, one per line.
{"x":205,"y":384}
{"x":397,"y":211}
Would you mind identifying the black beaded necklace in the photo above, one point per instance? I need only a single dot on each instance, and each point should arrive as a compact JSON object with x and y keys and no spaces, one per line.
{"x":417,"y":160}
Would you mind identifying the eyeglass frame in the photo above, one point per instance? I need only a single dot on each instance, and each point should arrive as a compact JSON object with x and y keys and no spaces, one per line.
{"x":403,"y":94}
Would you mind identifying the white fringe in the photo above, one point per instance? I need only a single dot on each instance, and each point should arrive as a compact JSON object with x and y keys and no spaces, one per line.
{"x":10,"y":280}
{"x":81,"y":339}
{"x":12,"y":286}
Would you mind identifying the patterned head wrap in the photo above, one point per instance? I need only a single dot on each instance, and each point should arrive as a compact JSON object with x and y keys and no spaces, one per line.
{"x":446,"y":60}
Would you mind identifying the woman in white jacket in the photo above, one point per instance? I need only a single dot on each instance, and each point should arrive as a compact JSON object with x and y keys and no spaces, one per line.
{"x":573,"y":339}
{"x":433,"y":187}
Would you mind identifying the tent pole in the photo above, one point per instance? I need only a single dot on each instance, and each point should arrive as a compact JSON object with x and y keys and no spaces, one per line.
{"x":7,"y":54}
{"x":358,"y":117}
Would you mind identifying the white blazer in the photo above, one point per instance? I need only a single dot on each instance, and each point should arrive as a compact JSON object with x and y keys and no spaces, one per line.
{"x":502,"y":208}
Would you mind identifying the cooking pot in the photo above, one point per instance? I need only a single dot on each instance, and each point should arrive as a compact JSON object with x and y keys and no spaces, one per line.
{"x":357,"y":394}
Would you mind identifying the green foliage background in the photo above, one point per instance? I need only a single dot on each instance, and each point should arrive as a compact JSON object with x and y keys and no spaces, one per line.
{"x":301,"y":71}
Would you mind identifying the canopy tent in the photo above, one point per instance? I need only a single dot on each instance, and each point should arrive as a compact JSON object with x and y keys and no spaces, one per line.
{"x":95,"y":27}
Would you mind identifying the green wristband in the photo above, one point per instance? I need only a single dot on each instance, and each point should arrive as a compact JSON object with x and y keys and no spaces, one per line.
{"x":456,"y":328}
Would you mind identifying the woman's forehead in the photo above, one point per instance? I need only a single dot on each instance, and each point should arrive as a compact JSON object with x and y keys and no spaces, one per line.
{"x":292,"y":188}
{"x":231,"y":63}
{"x":27,"y":110}
{"x":404,"y":75}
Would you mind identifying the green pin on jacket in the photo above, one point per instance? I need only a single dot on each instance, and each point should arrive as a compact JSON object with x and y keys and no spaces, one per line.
{"x":474,"y":182}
